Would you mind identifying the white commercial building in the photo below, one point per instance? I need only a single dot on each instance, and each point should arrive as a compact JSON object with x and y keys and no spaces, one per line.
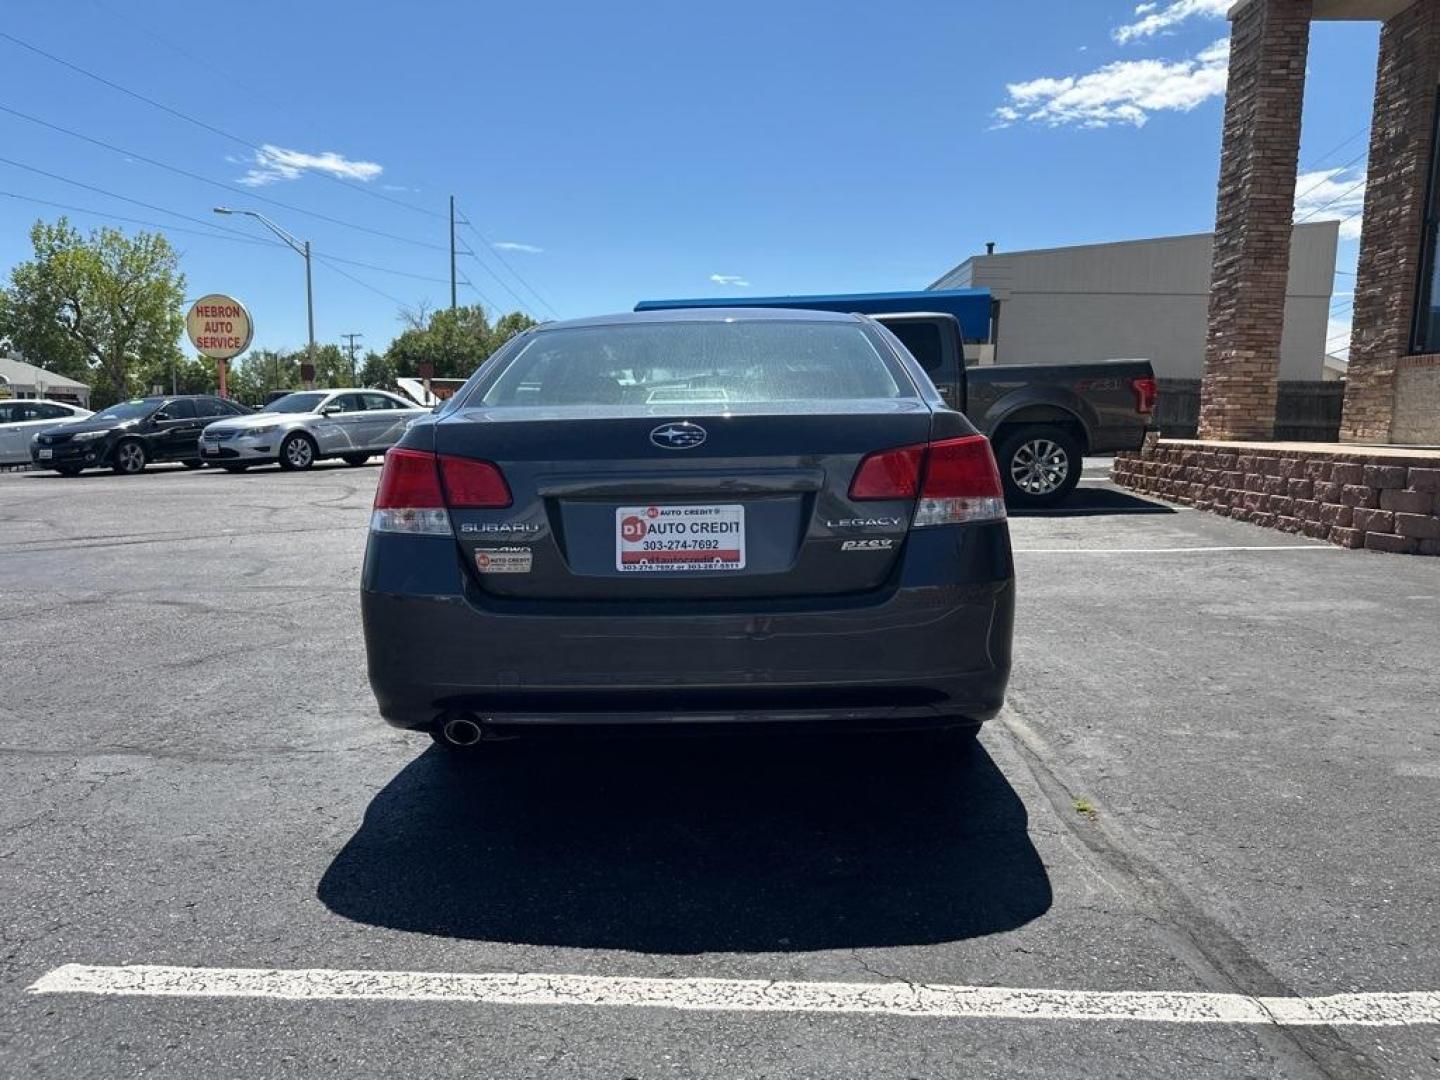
{"x":21,"y":380}
{"x":1144,"y":299}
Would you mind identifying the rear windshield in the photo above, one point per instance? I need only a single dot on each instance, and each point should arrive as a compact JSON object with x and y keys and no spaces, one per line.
{"x":690,"y":363}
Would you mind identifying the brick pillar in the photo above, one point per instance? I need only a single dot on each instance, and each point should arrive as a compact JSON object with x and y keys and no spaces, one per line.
{"x":1269,"y":41}
{"x":1399,"y":169}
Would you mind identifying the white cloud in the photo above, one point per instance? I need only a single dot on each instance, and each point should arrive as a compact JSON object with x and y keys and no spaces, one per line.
{"x":1331,"y":194}
{"x":734,"y":280}
{"x":272,"y":163}
{"x":1155,"y":19}
{"x":1124,"y":92}
{"x":513,"y":245}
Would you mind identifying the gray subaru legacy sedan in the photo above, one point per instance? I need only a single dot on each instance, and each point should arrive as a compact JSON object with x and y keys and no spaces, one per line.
{"x":690,"y":517}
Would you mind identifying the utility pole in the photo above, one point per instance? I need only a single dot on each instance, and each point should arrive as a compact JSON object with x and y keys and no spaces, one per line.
{"x":350,"y":348}
{"x":452,"y":252}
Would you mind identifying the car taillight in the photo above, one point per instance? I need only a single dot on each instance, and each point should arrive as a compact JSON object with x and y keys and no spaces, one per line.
{"x":889,"y":474}
{"x":1146,"y":390}
{"x":473,"y":485}
{"x":417,"y":490}
{"x":962,"y":484}
{"x":956,"y":480}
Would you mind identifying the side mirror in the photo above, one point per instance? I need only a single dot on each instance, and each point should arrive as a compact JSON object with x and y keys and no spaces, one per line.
{"x":331,"y":410}
{"x":160,"y":416}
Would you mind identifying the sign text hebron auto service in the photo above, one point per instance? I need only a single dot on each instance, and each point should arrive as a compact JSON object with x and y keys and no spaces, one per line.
{"x":219,"y":326}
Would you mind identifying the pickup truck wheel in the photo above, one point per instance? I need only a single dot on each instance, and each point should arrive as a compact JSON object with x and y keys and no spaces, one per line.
{"x":1039,"y":466}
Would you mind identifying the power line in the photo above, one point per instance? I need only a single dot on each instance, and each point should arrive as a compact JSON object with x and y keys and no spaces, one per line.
{"x":1338,"y":198}
{"x":205,"y":62}
{"x":388,"y":270}
{"x":494,"y":307}
{"x":1330,"y":173}
{"x":524,"y":306}
{"x":113,"y":195}
{"x":489,"y":245}
{"x":224,"y":234}
{"x":202,"y":124}
{"x":1364,"y":130}
{"x":233,"y":189}
{"x":140,"y":221}
{"x":363,"y":284}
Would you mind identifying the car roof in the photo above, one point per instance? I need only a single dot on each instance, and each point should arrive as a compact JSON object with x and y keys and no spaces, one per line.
{"x":709,"y":314}
{"x":346,"y":390}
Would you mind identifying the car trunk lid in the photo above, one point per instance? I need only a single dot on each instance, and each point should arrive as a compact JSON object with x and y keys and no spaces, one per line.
{"x":605,"y":506}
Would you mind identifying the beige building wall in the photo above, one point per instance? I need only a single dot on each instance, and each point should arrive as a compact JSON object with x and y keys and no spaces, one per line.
{"x":1145,"y":299}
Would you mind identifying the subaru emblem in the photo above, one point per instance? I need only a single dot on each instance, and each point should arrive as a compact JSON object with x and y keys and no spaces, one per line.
{"x":679,"y":436}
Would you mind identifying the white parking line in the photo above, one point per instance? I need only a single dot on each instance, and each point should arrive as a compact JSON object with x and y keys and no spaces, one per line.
{"x":745,"y":995}
{"x":1175,"y":550}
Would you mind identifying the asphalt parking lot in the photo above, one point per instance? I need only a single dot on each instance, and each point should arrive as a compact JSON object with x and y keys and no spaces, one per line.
{"x":1208,"y":810}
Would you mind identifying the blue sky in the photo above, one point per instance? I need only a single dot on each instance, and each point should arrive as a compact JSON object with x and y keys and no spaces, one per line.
{"x":641,"y":150}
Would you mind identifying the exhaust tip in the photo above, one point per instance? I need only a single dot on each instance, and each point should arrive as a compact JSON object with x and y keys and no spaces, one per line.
{"x":461,"y":732}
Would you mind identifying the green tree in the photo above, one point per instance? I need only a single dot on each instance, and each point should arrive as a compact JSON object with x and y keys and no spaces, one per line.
{"x":187,"y":374}
{"x":96,"y":308}
{"x":332,"y":367}
{"x":455,"y":341}
{"x":377,"y":370}
{"x":260,"y":373}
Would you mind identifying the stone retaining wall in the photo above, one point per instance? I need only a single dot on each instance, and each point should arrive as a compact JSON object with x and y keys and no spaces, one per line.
{"x":1383,"y":502}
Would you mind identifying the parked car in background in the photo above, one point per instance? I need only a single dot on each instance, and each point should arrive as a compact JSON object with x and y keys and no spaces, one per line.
{"x":22,"y":420}
{"x":1042,"y":418}
{"x":129,"y":435}
{"x":691,"y":517}
{"x":302,"y":428}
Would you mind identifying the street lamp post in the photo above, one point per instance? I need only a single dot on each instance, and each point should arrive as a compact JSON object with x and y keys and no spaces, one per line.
{"x":301,"y":248}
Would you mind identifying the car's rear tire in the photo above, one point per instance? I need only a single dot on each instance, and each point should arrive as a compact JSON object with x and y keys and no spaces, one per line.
{"x":355,"y":459}
{"x":297,"y":452}
{"x":129,"y":457}
{"x":1039,"y":466}
{"x":235,"y":468}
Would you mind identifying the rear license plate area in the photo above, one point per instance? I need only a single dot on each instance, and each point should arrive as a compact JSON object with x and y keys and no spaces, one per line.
{"x":676,"y":539}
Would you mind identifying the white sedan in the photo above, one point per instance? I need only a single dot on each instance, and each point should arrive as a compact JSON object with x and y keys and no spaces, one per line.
{"x":22,"y":420}
{"x":301,"y":428}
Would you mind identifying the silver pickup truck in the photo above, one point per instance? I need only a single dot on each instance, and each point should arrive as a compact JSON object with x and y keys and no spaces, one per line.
{"x":1042,"y":419}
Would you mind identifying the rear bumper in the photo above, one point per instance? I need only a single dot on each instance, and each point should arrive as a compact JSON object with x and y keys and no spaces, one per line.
{"x":933,"y":648}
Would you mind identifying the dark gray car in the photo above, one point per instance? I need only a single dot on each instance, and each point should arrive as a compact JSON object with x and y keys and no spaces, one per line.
{"x":690,"y":516}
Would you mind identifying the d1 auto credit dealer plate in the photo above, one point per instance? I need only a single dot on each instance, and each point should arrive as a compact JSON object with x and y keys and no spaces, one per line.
{"x":660,"y":539}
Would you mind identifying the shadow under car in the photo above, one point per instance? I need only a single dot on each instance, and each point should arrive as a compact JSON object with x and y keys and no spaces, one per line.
{"x":749,"y":843}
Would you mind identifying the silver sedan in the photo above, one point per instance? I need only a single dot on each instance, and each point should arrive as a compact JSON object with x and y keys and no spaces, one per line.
{"x":302,"y":428}
{"x":21,"y":421}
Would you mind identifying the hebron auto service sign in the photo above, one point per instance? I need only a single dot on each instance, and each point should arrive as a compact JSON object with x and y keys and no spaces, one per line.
{"x":219,"y":326}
